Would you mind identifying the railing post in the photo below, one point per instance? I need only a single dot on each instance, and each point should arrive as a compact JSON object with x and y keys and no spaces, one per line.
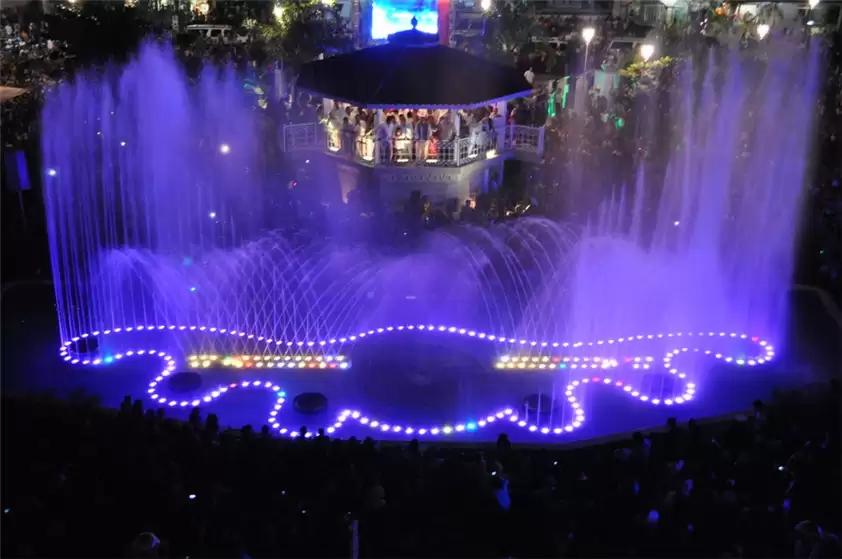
{"x":541,"y":141}
{"x":457,"y":150}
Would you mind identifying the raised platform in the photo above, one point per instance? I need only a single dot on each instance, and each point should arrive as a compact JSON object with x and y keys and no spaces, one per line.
{"x":457,"y":171}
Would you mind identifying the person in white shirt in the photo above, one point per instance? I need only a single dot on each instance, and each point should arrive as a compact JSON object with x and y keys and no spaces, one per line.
{"x":529,"y":75}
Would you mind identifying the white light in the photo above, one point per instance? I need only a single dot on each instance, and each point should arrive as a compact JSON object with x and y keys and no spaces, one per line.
{"x":646,"y":51}
{"x":762,"y":30}
{"x":327,"y":2}
{"x":485,"y":5}
{"x":588,"y":34}
{"x":224,"y":149}
{"x":212,"y":215}
{"x":814,"y":3}
{"x":278,"y":11}
{"x":811,"y":23}
{"x":52,"y":172}
{"x":122,"y":144}
{"x":676,"y":223}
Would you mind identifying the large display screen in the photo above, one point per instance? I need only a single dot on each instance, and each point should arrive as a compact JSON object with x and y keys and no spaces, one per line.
{"x":391,"y":16}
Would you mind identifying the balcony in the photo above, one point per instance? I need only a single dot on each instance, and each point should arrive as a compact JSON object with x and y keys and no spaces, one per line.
{"x":523,"y":142}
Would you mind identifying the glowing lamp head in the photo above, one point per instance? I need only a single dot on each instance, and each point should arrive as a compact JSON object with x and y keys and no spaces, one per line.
{"x":278,"y":11}
{"x":224,"y":149}
{"x":212,"y":215}
{"x":814,"y":3}
{"x":51,"y":172}
{"x":588,"y":34}
{"x":762,"y":30}
{"x":646,"y":51}
{"x":485,"y":5}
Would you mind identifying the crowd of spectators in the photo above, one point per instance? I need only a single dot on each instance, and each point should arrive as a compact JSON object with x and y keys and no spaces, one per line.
{"x":80,"y":480}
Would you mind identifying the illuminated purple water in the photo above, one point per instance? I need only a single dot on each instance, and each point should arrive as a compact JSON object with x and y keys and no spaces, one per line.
{"x":156,"y":200}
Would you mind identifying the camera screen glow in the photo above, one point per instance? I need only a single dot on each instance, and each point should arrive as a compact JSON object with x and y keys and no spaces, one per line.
{"x":392,"y":16}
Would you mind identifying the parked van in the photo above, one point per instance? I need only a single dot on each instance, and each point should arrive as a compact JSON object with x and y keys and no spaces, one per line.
{"x":212,"y":33}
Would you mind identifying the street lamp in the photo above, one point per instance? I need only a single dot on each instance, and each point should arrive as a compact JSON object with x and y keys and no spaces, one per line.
{"x":485,"y":5}
{"x":646,"y":51}
{"x":814,"y":3}
{"x":762,"y":30}
{"x":587,"y":35}
{"x":278,"y":12}
{"x":668,"y":5}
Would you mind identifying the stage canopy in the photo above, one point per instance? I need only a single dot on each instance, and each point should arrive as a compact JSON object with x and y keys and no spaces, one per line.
{"x":412,"y":76}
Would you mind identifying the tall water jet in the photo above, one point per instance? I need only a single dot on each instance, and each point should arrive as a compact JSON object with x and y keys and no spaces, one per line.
{"x":722,"y":227}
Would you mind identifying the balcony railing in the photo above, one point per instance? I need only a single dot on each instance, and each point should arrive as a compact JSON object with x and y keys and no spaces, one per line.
{"x":528,"y":140}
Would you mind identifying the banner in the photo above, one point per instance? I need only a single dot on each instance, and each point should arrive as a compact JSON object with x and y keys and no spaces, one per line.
{"x":444,"y":22}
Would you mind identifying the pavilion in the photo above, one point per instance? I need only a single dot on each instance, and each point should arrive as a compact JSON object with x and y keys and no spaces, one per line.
{"x":367,"y":97}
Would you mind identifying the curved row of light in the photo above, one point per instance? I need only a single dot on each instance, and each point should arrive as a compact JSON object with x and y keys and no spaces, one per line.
{"x":507,"y":415}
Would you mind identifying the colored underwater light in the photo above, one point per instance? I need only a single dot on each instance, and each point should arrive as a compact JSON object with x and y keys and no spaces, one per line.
{"x":300,"y":361}
{"x":507,"y":415}
{"x":545,"y":362}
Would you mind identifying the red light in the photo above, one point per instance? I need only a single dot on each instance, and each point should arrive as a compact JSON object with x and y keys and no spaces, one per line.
{"x":248,"y":364}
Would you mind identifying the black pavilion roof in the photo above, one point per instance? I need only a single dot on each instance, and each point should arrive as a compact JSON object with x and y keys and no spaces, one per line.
{"x":407,"y":76}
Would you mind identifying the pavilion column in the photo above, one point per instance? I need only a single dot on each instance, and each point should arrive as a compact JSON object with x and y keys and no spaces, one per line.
{"x":500,"y":124}
{"x":378,"y":120}
{"x":456,"y":123}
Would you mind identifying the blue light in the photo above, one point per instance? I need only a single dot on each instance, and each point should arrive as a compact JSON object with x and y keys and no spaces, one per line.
{"x":563,"y":366}
{"x":282,"y":394}
{"x":108,"y":359}
{"x":471,"y":426}
{"x":392,"y":16}
{"x":192,"y":289}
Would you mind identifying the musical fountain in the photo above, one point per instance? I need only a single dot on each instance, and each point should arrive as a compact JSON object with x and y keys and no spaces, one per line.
{"x":161,"y":246}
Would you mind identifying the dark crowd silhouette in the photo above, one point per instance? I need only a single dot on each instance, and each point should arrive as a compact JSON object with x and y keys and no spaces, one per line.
{"x":82,"y":480}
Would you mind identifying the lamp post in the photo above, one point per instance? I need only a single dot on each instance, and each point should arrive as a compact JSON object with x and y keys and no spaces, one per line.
{"x":762,"y":30}
{"x":485,"y":5}
{"x":587,"y":35}
{"x":669,"y":5}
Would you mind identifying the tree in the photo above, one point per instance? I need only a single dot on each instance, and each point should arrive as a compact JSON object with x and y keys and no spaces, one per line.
{"x":303,"y":30}
{"x":645,"y":75}
{"x":510,"y":27}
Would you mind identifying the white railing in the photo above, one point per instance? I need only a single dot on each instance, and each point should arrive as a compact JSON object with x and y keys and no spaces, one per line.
{"x":522,"y":138}
{"x":302,"y":136}
{"x":404,"y":152}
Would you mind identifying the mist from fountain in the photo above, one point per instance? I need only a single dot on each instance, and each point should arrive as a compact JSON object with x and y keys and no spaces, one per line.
{"x":155,"y":201}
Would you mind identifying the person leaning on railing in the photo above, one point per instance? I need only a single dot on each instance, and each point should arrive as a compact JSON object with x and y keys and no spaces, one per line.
{"x":423,"y":132}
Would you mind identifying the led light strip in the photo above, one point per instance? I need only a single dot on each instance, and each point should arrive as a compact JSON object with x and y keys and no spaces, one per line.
{"x":269,"y":361}
{"x":554,"y":363}
{"x":766,"y":353}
